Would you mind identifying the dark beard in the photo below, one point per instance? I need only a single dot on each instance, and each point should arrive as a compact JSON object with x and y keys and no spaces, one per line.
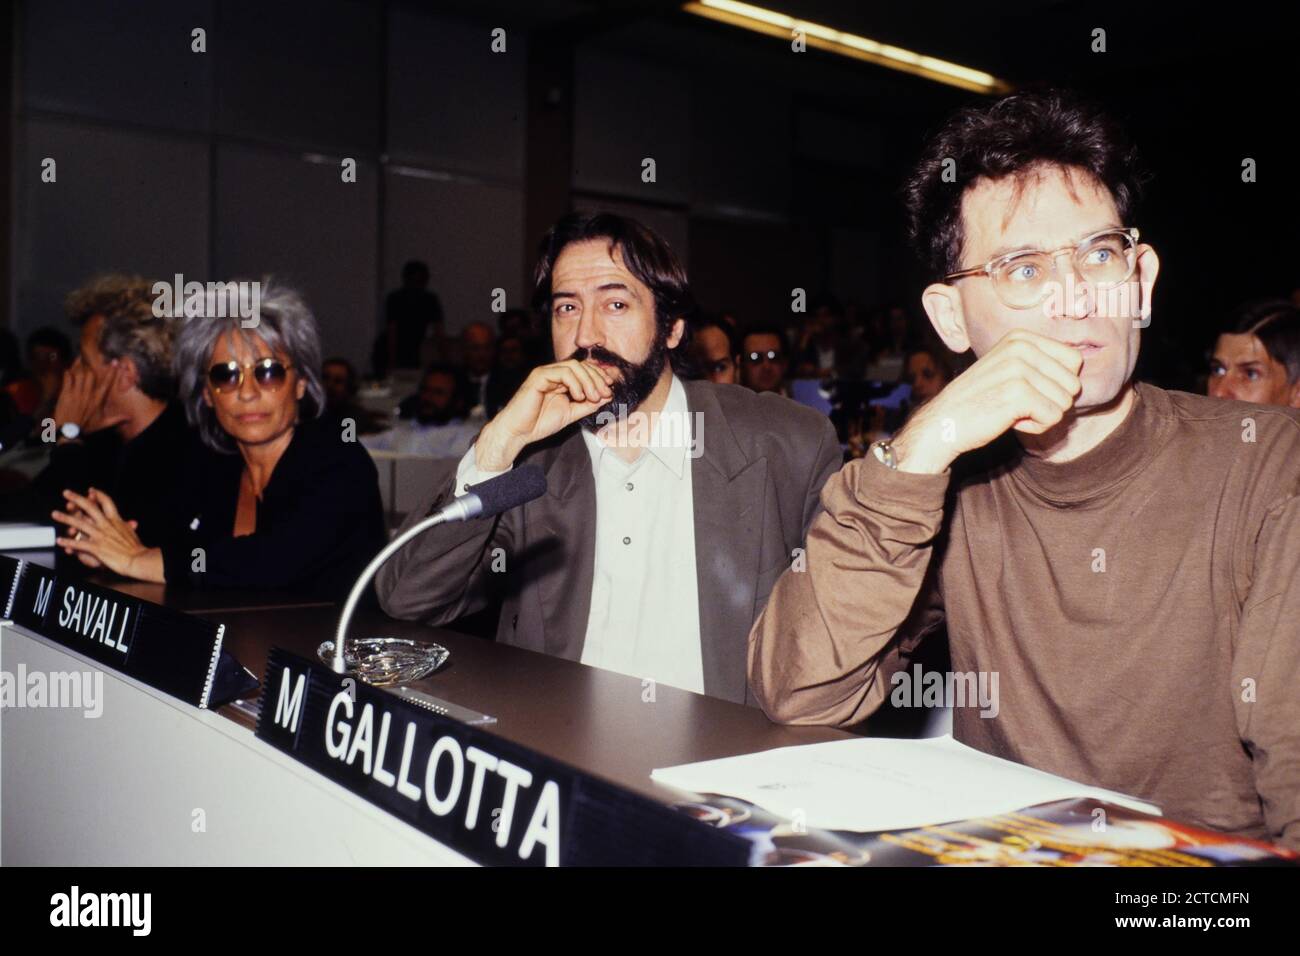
{"x":634,"y":384}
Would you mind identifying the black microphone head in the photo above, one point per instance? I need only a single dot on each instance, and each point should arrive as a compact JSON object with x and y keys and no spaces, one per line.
{"x":510,"y":490}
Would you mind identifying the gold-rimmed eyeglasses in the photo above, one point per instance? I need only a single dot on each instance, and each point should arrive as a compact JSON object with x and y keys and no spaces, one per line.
{"x":268,"y":373}
{"x":1024,"y":279}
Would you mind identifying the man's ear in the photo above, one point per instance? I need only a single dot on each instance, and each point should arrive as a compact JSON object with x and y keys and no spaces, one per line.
{"x":675,"y":335}
{"x":1293,"y":400}
{"x":942,"y":303}
{"x":128,"y":375}
{"x":1148,"y":267}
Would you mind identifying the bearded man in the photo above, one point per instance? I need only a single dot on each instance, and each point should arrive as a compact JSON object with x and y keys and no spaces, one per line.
{"x":672,"y":506}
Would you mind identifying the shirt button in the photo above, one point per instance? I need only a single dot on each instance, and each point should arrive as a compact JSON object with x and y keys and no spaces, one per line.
{"x":627,"y":540}
{"x":629,"y":486}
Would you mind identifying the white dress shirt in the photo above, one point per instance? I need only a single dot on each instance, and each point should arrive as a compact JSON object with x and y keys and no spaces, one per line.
{"x":644,"y":619}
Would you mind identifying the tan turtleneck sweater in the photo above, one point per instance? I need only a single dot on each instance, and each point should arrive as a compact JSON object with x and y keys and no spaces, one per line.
{"x":1140,"y":605}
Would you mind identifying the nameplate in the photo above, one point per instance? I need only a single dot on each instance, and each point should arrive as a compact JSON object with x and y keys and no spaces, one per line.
{"x":488,"y":798}
{"x":173,"y":652}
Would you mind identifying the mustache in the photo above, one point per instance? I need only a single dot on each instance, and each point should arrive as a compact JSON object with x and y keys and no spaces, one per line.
{"x":599,"y":353}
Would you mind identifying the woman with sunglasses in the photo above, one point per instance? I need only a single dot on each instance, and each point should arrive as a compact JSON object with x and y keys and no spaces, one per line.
{"x":278,"y":496}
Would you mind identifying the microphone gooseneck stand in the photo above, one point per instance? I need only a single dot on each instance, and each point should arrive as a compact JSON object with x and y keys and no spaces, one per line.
{"x":485,"y":500}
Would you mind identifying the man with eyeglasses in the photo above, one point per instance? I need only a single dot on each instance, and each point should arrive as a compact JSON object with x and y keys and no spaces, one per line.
{"x":764,"y":358}
{"x":1128,"y":570}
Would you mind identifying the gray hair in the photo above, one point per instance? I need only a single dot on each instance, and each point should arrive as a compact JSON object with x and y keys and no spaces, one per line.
{"x":284,"y":323}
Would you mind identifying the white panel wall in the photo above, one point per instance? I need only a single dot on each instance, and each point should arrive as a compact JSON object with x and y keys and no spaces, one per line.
{"x":278,"y":213}
{"x":470,"y":233}
{"x":125,"y":62}
{"x":627,"y":109}
{"x":300,"y":72}
{"x":123,"y":200}
{"x":133,"y":118}
{"x":453,"y":104}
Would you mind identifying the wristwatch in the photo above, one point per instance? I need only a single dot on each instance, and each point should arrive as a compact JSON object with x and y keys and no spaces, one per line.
{"x":70,"y":430}
{"x":884,"y":452}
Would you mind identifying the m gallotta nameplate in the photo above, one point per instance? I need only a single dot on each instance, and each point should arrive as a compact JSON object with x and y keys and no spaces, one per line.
{"x":488,"y":798}
{"x":176,"y":653}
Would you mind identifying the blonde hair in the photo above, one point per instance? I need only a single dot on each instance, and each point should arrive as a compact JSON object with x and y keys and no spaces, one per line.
{"x":131,"y":328}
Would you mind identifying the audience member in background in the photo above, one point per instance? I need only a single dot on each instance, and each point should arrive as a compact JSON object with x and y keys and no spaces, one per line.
{"x":118,"y":424}
{"x":411,"y":314}
{"x":663,"y":526}
{"x":1257,"y":355}
{"x":277,"y":498}
{"x":817,"y":355}
{"x":15,"y":384}
{"x":339,"y":379}
{"x":18,"y":398}
{"x":477,"y":355}
{"x":926,"y":370}
{"x":530,"y":328}
{"x":49,"y":353}
{"x":890,"y":331}
{"x":514,"y":322}
{"x":512,"y":356}
{"x":764,"y":358}
{"x":432,"y":421}
{"x":512,"y":367}
{"x":716,"y":349}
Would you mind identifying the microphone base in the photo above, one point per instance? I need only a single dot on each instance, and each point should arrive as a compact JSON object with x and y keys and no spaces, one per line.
{"x":385,"y":661}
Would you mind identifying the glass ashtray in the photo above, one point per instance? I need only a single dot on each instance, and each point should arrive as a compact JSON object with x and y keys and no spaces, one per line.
{"x":384,"y":661}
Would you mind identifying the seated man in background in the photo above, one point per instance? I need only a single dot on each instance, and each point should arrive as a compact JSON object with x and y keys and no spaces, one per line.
{"x":117,"y":424}
{"x":432,"y":422}
{"x":49,"y":353}
{"x":671,"y":506}
{"x":764,"y":359}
{"x":339,"y":379}
{"x":717,"y":351}
{"x":1257,"y":355}
{"x":478,"y":349}
{"x":1128,"y":570}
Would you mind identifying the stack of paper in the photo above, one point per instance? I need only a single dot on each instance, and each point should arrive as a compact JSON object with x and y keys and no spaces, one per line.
{"x":17,"y":535}
{"x":875,"y":783}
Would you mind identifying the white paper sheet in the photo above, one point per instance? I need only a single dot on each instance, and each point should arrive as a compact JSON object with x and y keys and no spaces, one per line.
{"x":877,"y":783}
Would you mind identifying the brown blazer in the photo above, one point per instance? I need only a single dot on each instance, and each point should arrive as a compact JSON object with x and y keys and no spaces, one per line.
{"x":757,"y":487}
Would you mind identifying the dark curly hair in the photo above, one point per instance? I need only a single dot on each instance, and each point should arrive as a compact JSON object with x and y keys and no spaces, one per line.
{"x":645,"y":253}
{"x":1013,"y":137}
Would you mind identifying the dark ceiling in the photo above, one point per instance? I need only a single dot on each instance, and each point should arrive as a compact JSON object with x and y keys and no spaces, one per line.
{"x":1025,"y":41}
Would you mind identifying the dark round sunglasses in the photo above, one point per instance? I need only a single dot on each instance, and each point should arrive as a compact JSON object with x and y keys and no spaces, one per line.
{"x":268,"y":373}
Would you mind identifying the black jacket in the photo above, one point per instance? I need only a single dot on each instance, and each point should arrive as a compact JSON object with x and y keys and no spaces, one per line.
{"x":142,"y":476}
{"x":319,"y":520}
